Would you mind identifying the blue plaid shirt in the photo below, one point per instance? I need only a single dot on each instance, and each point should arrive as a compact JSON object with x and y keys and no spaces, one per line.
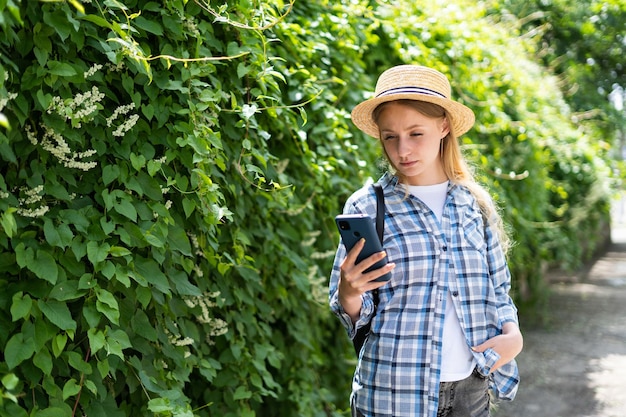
{"x":398,"y":371}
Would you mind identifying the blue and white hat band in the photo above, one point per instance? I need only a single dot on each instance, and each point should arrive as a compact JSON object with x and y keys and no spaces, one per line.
{"x":411,"y":90}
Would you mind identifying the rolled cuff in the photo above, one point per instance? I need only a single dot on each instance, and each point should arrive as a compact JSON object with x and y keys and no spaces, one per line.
{"x":365,"y":315}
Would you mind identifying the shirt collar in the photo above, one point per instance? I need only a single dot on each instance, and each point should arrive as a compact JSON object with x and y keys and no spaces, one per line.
{"x":390,"y":180}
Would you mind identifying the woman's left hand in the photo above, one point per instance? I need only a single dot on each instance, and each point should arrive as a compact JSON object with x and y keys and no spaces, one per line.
{"x":508,"y":345}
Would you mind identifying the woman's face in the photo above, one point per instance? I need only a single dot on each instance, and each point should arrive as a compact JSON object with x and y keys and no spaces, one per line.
{"x":412,"y":142}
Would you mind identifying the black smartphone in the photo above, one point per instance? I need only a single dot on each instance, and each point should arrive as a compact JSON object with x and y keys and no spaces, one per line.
{"x":353,"y":227}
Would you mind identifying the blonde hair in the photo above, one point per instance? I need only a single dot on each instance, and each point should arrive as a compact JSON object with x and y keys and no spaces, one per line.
{"x":454,"y":165}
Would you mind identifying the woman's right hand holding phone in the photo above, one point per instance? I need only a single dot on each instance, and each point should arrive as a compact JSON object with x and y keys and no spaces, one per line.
{"x":354,"y":281}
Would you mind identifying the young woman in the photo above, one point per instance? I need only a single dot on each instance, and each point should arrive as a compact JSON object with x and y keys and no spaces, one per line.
{"x":445,"y":330}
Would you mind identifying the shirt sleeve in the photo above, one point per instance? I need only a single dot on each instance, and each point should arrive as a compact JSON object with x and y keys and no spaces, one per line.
{"x":501,"y":276}
{"x":367,"y":308}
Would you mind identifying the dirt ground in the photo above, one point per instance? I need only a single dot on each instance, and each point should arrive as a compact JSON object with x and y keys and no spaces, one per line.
{"x":575,"y":364}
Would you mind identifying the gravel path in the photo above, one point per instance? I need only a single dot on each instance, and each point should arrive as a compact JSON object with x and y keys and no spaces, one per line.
{"x":575,"y":364}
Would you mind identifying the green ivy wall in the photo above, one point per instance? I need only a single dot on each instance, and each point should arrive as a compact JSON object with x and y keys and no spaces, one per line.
{"x":170,"y":172}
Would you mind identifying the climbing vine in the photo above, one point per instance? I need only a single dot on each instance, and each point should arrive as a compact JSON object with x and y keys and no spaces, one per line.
{"x":170,"y":175}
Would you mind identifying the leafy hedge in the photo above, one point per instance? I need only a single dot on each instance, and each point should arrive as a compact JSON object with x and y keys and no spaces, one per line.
{"x":170,"y":174}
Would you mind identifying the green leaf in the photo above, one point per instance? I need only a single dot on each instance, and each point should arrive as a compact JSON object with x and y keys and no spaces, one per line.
{"x":137,"y":161}
{"x":149,"y":25}
{"x":7,"y":153}
{"x":122,"y":275}
{"x":148,"y":111}
{"x":149,"y":270}
{"x":97,"y":340}
{"x":76,"y":218}
{"x":108,"y":270}
{"x":70,"y":389}
{"x":154,"y":240}
{"x":178,"y":240}
{"x":153,"y":167}
{"x":242,"y":393}
{"x":97,"y":253}
{"x":7,"y":221}
{"x":10,"y":381}
{"x":107,"y":305}
{"x":107,"y":226}
{"x":142,"y":326}
{"x":113,"y":347}
{"x":76,"y":361}
{"x":58,"y":344}
{"x":144,"y":296}
{"x":43,"y":98}
{"x":91,"y":315}
{"x":103,"y":367}
{"x":18,"y":350}
{"x":58,"y":314}
{"x":120,"y":337}
{"x":110,"y":173}
{"x":79,"y":247}
{"x":66,"y":290}
{"x":61,"y":69}
{"x":242,"y":70}
{"x":87,"y":281}
{"x":149,"y":185}
{"x":91,"y":386}
{"x":118,"y":251}
{"x":183,"y":286}
{"x":21,"y":306}
{"x":23,"y":255}
{"x":126,"y":208}
{"x":54,"y":412}
{"x":60,"y":23}
{"x":44,"y":266}
{"x":189,"y":206}
{"x":97,"y":20}
{"x":65,"y":235}
{"x":43,"y":361}
{"x":160,"y":405}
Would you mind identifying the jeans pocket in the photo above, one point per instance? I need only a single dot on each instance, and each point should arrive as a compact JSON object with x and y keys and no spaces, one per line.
{"x":476,"y":373}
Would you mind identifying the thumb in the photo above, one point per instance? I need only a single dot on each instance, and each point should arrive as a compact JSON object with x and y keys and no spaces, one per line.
{"x":481,"y":348}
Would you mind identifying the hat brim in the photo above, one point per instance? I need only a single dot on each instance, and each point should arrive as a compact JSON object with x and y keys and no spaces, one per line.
{"x":461,"y":117}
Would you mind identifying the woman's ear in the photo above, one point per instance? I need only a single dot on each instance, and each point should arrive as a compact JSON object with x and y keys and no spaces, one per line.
{"x":445,"y":128}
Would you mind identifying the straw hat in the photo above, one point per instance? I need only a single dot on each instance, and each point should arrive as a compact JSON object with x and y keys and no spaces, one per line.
{"x":412,"y":82}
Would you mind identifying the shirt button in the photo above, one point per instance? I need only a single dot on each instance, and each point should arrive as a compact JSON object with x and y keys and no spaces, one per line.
{"x":445,"y":248}
{"x":455,"y":293}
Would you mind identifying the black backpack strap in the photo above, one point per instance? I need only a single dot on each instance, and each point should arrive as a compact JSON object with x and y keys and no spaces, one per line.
{"x":380,"y":224}
{"x":380,"y":211}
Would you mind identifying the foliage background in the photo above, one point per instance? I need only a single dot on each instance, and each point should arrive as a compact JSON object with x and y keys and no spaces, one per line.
{"x":170,"y":174}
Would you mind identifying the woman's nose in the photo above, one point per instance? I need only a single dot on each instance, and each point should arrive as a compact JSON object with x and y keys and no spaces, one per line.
{"x":404,"y":148}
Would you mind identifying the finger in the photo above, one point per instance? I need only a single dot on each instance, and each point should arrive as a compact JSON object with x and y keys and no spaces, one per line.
{"x":355,"y":251}
{"x":355,"y":273}
{"x":371,"y":260}
{"x":349,"y":263}
{"x":372,"y":276}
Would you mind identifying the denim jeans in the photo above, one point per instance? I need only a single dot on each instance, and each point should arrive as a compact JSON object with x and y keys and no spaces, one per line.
{"x":466,"y":398}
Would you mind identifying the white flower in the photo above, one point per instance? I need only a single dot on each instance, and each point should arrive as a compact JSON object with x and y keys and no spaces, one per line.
{"x":126,"y":126}
{"x":54,"y":143}
{"x":91,"y":71}
{"x":5,"y":100}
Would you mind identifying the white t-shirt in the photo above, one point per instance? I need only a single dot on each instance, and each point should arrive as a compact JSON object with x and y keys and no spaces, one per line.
{"x":458,"y":361}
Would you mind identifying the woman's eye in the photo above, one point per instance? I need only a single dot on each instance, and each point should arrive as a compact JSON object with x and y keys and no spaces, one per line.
{"x":415,"y":134}
{"x":389,"y":137}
